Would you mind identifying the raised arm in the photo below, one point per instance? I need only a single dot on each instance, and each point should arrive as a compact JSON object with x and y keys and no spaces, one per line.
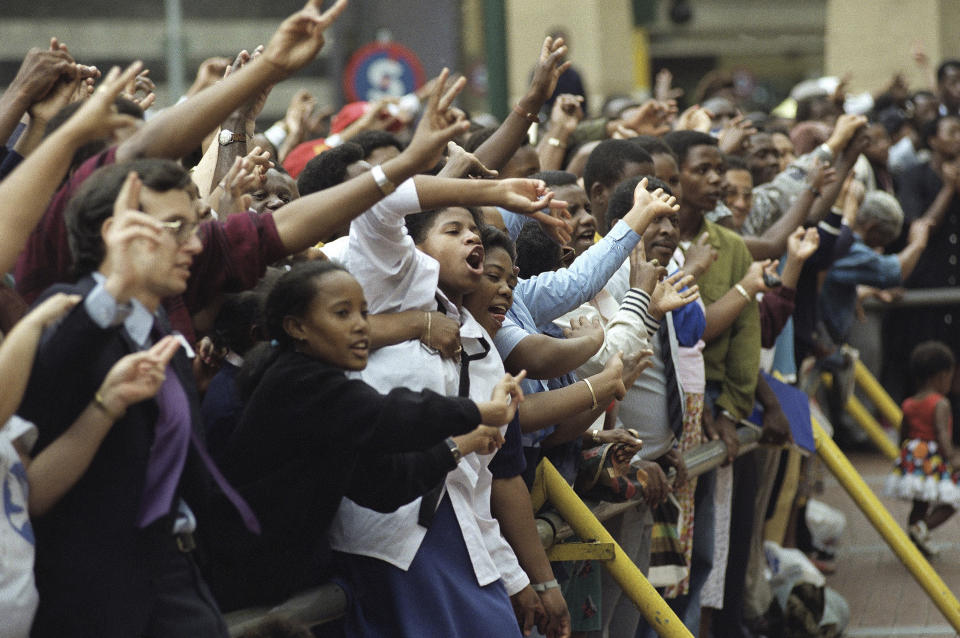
{"x":500,"y":147}
{"x":179,"y":129}
{"x":24,"y":194}
{"x":545,"y":357}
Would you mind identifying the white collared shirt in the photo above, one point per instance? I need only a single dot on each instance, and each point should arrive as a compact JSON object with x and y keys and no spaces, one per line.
{"x":395,"y":276}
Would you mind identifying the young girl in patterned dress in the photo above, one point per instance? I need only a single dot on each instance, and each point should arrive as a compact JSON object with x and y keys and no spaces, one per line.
{"x":925,"y":472}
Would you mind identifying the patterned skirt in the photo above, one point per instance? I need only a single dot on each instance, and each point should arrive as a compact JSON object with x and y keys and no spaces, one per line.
{"x":691,"y":436}
{"x":922,"y":474}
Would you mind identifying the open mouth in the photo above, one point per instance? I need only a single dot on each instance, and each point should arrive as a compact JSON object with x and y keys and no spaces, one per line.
{"x":361,"y":347}
{"x":498,"y":313}
{"x":475,"y":260}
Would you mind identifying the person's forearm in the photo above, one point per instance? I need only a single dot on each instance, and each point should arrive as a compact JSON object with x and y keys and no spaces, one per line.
{"x":313,"y":218}
{"x":909,"y":257}
{"x":438,"y":192}
{"x":31,"y":137}
{"x":510,"y":505}
{"x":572,"y":428}
{"x":553,"y":148}
{"x":543,"y":409}
{"x":765,"y":394}
{"x":791,"y":272}
{"x":16,"y":356}
{"x":773,"y":242}
{"x":828,"y":197}
{"x":940,"y":204}
{"x":12,"y":107}
{"x":546,"y":357}
{"x":391,"y":328}
{"x":24,"y":194}
{"x":226,"y":155}
{"x":723,"y":312}
{"x":500,"y":147}
{"x":61,"y":464}
{"x":180,"y":129}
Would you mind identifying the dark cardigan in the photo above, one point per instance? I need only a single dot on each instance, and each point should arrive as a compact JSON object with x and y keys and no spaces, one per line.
{"x":308,"y":437}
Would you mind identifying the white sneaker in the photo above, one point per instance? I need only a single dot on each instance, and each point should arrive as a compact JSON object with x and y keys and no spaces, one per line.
{"x":920,"y":536}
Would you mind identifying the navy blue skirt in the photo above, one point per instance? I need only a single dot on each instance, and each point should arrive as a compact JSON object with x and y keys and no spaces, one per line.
{"x":438,"y":596}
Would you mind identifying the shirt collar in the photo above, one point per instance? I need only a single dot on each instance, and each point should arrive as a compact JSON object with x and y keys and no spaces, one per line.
{"x":138,"y":322}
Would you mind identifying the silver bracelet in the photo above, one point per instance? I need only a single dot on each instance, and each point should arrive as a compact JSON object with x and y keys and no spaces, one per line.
{"x":383,"y":182}
{"x":544,"y":586}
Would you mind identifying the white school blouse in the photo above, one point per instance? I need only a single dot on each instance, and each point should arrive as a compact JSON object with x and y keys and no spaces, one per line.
{"x":396,"y":276}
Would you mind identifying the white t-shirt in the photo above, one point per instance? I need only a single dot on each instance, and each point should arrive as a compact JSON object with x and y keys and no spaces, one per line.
{"x":18,"y":592}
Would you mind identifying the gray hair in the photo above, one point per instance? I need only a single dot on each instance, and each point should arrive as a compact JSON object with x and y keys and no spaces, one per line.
{"x":883,"y":209}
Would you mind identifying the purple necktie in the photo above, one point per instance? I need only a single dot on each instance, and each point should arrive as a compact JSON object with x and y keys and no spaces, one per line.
{"x":173,"y":433}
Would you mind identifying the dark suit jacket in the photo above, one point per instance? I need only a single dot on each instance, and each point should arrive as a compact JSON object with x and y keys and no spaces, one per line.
{"x":94,"y":565}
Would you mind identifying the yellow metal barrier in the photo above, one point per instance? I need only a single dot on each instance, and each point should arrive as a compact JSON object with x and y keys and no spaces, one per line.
{"x":875,"y":392}
{"x":870,"y":425}
{"x":654,"y":609}
{"x":881,"y":520}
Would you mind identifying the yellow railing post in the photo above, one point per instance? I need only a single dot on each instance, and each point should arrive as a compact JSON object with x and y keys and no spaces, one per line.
{"x":877,"y":395}
{"x":881,"y":520}
{"x":861,"y":415}
{"x":654,"y":609}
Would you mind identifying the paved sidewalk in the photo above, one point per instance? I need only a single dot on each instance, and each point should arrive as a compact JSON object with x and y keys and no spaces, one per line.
{"x":884,"y":598}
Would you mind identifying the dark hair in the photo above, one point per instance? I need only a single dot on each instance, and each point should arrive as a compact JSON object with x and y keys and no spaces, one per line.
{"x":536,"y":252}
{"x":930,"y":358}
{"x":370,"y":141}
{"x":932,"y":127}
{"x":93,"y":204}
{"x":329,"y":168}
{"x":237,"y":326}
{"x":291,"y":295}
{"x":682,"y":141}
{"x":944,"y":67}
{"x":653,"y":145}
{"x":608,"y":159}
{"x":492,"y":237}
{"x":91,"y":148}
{"x":419,"y":224}
{"x":555,"y":178}
{"x":734,"y":163}
{"x":621,"y":201}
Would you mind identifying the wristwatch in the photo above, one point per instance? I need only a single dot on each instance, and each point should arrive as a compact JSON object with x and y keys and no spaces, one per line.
{"x":228,"y":137}
{"x":454,"y":449}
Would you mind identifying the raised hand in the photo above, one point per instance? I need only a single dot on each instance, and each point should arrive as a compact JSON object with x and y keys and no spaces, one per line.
{"x":581,"y":327}
{"x":40,"y":71}
{"x":648,"y":206}
{"x":753,"y":280}
{"x":695,"y":118}
{"x":140,"y":90}
{"x":138,"y":376}
{"x":566,"y":113}
{"x":437,"y":126}
{"x":300,"y":37}
{"x":669,"y":294}
{"x":130,"y":239}
{"x":549,"y":68}
{"x":663,"y":87}
{"x":209,"y":73}
{"x":527,"y":196}
{"x":633,"y":366}
{"x":802,"y":243}
{"x":653,"y":117}
{"x":699,"y":256}
{"x":98,"y":117}
{"x":504,"y":400}
{"x":734,"y":135}
{"x":644,"y":274}
{"x":847,"y":124}
{"x":460,"y":163}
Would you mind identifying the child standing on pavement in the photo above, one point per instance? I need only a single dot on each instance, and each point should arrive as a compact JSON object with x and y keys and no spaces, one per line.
{"x":926,"y":470}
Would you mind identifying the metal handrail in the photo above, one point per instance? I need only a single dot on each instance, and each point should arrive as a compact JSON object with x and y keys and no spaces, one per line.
{"x":914,"y":297}
{"x":328,"y":602}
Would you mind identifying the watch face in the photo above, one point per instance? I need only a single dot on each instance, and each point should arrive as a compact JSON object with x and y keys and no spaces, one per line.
{"x":226,"y":137}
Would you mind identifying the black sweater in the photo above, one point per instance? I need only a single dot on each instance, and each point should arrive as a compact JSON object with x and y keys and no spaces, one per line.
{"x":307,"y":437}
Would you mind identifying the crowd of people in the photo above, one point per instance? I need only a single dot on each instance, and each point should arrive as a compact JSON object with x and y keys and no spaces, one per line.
{"x":239,"y":363}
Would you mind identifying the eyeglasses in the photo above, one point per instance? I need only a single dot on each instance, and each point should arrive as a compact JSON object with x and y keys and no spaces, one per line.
{"x":182,"y":231}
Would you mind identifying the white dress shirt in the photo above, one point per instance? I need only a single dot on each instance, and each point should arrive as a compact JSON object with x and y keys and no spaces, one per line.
{"x":395,"y":276}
